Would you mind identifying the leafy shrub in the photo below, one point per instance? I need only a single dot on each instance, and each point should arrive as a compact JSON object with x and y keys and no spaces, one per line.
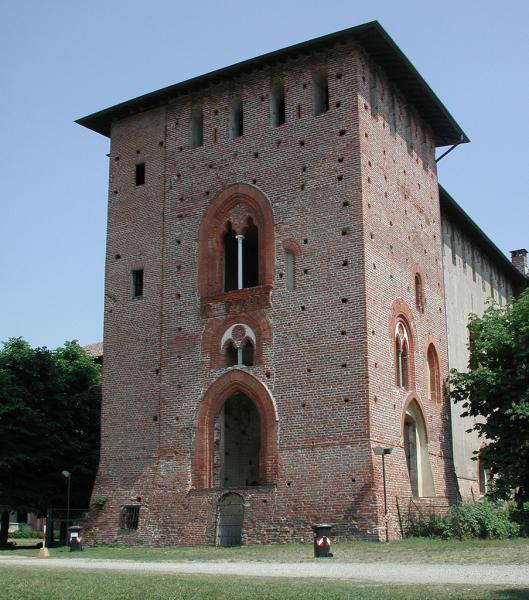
{"x":486,"y":520}
{"x":25,"y":532}
{"x":431,"y":526}
{"x":99,"y":503}
{"x":520,"y":515}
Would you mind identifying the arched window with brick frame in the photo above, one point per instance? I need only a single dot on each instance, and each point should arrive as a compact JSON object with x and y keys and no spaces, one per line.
{"x":402,"y":355}
{"x":236,"y":242}
{"x":238,"y":346}
{"x":434,"y":376}
{"x":403,"y":339}
{"x":237,"y":341}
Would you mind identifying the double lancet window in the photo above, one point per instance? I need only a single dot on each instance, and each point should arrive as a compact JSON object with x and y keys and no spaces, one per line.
{"x":402,"y":355}
{"x":238,"y":345}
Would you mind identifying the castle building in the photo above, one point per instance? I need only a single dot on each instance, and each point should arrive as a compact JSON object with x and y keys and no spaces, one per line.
{"x":286,"y":285}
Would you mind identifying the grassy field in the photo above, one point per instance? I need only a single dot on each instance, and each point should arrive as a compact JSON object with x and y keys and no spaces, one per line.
{"x":20,"y":583}
{"x":420,"y":550}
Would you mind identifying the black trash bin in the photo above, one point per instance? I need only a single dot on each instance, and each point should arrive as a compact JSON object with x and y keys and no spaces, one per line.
{"x":75,"y":539}
{"x":322,"y":540}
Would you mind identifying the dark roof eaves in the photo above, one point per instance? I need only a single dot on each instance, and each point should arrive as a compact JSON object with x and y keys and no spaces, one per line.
{"x":101,"y":120}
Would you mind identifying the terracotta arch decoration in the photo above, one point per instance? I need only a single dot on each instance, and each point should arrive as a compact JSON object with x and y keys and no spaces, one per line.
{"x":401,"y":314}
{"x":235,"y":205}
{"x":235,"y":381}
{"x":257,"y":321}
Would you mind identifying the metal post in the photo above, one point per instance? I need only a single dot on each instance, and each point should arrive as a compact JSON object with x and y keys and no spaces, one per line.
{"x":240,"y":238}
{"x":385,"y":495}
{"x":379,"y":451}
{"x":68,"y":504}
{"x":49,"y":528}
{"x":68,"y":476}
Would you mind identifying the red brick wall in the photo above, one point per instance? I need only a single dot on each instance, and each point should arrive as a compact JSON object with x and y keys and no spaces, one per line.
{"x":314,"y":361}
{"x":402,"y":237}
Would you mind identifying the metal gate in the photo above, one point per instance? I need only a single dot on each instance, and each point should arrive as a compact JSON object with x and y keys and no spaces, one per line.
{"x":229,"y":523}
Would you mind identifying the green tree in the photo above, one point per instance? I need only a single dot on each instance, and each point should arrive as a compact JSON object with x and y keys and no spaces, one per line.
{"x":496,"y":391}
{"x":49,"y":422}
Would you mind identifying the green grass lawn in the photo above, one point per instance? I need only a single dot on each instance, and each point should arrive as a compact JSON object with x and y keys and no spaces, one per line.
{"x":515,"y":551}
{"x":21,"y":583}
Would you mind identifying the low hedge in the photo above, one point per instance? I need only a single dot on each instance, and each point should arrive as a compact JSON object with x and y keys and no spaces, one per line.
{"x":485,"y":520}
{"x":24,"y":532}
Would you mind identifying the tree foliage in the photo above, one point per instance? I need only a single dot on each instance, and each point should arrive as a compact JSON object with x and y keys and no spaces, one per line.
{"x":49,"y":422}
{"x":496,"y":391}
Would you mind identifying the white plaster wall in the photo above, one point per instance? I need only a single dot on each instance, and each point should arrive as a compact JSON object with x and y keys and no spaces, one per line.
{"x":471,"y":279}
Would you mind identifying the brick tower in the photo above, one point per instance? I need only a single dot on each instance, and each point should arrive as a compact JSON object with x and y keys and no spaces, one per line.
{"x":274,"y":302}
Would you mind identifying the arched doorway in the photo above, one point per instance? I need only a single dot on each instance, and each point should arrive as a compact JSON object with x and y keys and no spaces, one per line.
{"x":241,"y":390}
{"x":416,"y":451}
{"x":237,"y":444}
{"x":229,"y":520}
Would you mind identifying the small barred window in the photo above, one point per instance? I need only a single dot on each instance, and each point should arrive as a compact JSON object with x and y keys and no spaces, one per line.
{"x":129,"y":518}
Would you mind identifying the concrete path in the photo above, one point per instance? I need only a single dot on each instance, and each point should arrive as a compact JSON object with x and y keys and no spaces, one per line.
{"x":509,"y":575}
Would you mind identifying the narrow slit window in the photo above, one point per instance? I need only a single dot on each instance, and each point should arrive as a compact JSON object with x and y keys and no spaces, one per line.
{"x":290,"y":263}
{"x":373,"y":93}
{"x":277,"y":105}
{"x":236,"y":119}
{"x":453,"y":247}
{"x":393,"y":115}
{"x":137,"y":283}
{"x":140,"y":174}
{"x":197,"y":127}
{"x":320,"y":90}
{"x":419,"y":294}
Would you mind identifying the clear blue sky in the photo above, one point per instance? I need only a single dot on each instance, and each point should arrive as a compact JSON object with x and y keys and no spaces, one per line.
{"x":63,"y":59}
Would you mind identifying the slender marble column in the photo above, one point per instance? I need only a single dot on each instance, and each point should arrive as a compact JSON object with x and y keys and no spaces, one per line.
{"x":240,"y":238}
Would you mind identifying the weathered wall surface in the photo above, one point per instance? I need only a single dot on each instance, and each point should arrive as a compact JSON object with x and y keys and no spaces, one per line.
{"x":402,"y":235}
{"x":353,"y":194}
{"x":471,"y":280}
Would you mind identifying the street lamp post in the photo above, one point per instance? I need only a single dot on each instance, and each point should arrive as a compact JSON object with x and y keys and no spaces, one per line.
{"x":68,"y":476}
{"x":379,"y":451}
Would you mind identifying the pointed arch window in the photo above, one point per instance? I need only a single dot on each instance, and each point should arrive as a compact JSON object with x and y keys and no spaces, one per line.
{"x":402,"y":355}
{"x":236,"y":245}
{"x":434,"y":377}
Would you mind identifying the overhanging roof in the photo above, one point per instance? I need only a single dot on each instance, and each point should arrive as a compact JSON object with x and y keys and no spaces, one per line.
{"x":452,"y":209}
{"x":371,"y":36}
